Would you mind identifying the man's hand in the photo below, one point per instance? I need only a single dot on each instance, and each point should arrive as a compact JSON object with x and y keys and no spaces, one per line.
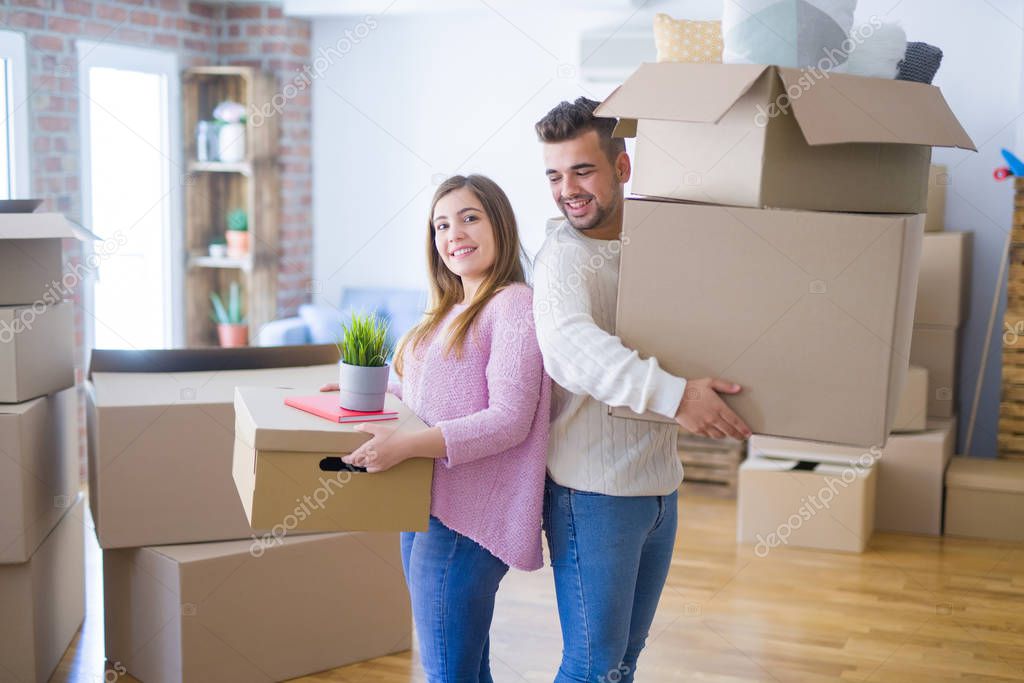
{"x":703,"y":412}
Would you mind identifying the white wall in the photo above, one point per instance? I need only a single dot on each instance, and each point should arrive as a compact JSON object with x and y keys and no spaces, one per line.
{"x":427,"y":95}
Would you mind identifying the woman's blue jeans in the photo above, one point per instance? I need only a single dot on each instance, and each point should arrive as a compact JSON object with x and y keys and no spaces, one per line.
{"x":452,"y":583}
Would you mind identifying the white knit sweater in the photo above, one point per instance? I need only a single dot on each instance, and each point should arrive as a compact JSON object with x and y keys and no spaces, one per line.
{"x":575,"y":284}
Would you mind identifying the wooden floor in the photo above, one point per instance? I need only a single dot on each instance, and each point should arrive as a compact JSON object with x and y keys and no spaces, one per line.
{"x":909,"y":609}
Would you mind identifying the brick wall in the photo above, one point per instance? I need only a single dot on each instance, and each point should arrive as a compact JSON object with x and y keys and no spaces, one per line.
{"x":250,"y":34}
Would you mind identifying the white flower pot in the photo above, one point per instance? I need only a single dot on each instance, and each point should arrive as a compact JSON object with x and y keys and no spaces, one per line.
{"x":362,"y":388}
{"x":231,"y":142}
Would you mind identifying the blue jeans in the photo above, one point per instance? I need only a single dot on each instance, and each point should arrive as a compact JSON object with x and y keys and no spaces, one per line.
{"x":452,"y":583}
{"x":611,"y":556}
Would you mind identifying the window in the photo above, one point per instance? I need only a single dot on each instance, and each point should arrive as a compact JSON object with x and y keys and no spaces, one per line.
{"x":131,"y":198}
{"x":14,"y":172}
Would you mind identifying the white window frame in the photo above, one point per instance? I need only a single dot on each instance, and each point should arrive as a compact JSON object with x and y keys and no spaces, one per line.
{"x":12,"y":49}
{"x":93,"y":54}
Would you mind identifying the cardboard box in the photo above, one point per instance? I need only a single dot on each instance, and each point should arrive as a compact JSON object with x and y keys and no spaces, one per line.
{"x":910,"y":479}
{"x":37,"y":351}
{"x":728,"y":134}
{"x":985,"y":498}
{"x":805,"y":503}
{"x":39,"y":470}
{"x":937,"y":349}
{"x":912,"y":413}
{"x":241,"y":612}
{"x":289,"y":474}
{"x":943,"y":290}
{"x":43,"y":602}
{"x":161,"y":435}
{"x":810,"y":312}
{"x":938,"y":181}
{"x":31,"y":267}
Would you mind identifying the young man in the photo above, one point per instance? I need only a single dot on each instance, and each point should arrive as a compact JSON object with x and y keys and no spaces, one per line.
{"x":610,"y":502}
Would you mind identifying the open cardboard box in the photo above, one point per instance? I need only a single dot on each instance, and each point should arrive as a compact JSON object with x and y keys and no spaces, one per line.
{"x":31,"y":260}
{"x":289,"y":474}
{"x":810,"y":312}
{"x":766,"y":136}
{"x":161,"y":435}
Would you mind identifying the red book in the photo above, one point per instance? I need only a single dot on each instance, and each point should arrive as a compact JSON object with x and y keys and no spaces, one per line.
{"x":326,"y":406}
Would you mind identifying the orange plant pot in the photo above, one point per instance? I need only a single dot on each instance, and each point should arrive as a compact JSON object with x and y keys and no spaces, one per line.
{"x":233,"y":336}
{"x":238,"y":243}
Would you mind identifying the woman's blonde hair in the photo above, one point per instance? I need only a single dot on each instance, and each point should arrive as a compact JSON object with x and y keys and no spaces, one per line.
{"x":446,"y":287}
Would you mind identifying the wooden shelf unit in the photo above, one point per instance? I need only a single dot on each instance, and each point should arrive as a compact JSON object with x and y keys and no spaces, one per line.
{"x":214,"y":188}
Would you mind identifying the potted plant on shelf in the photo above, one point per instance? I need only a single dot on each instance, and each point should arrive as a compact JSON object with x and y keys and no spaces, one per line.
{"x":230,"y":117}
{"x":218,"y":248}
{"x":237,"y":234}
{"x":232,"y":330}
{"x":363,"y":369}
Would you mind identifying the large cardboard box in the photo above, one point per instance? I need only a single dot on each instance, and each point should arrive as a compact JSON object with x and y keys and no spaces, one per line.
{"x":912,"y":413}
{"x":729,"y":134}
{"x":241,"y":612}
{"x":43,"y":602}
{"x":810,"y":312}
{"x":823,"y":503}
{"x":937,"y":349}
{"x":938,"y":180}
{"x":161,"y":435}
{"x":289,"y":473}
{"x":985,"y":498}
{"x":943,"y":289}
{"x":910,"y":479}
{"x":31,"y":261}
{"x":37,"y":351}
{"x":39,"y":470}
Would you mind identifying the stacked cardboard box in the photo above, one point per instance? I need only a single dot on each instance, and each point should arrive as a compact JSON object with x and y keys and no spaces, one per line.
{"x":783,"y":218}
{"x":786,"y":231}
{"x":943,"y":294}
{"x":41,"y":524}
{"x":183,"y":566}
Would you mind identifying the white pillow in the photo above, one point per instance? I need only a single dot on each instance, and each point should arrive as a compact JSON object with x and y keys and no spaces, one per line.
{"x":794,"y":33}
{"x":876,"y":51}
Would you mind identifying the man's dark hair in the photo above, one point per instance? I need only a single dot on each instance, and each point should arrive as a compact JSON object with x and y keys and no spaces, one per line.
{"x":569,"y":120}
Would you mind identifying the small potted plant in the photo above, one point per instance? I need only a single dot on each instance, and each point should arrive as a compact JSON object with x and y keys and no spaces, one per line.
{"x":230,"y":117}
{"x":363,"y":369}
{"x":237,"y":234}
{"x":232,"y":330}
{"x":218,"y":247}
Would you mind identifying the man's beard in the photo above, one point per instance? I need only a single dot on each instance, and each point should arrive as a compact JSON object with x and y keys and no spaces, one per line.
{"x":601,"y":214}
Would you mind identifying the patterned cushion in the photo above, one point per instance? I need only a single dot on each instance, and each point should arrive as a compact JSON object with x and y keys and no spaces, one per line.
{"x":794,"y":33}
{"x":681,"y":40}
{"x":919,"y":63}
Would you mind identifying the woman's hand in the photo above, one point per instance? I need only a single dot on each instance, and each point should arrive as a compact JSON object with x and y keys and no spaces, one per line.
{"x":387,"y":448}
{"x":330,"y":387}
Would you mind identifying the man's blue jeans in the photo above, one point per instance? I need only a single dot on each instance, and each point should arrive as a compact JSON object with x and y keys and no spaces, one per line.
{"x":452,"y":583}
{"x":611,"y":556}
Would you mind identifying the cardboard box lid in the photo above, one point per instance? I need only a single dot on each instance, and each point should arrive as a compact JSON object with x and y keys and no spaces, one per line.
{"x":837,"y":108}
{"x":35,"y":226}
{"x":263,"y":421}
{"x":986,"y":474}
{"x":206,"y":359}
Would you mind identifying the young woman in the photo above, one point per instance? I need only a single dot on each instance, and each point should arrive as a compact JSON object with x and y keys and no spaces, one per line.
{"x":472,"y":370}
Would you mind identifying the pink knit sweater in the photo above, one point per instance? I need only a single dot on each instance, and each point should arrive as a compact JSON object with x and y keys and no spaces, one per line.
{"x":493,"y":406}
